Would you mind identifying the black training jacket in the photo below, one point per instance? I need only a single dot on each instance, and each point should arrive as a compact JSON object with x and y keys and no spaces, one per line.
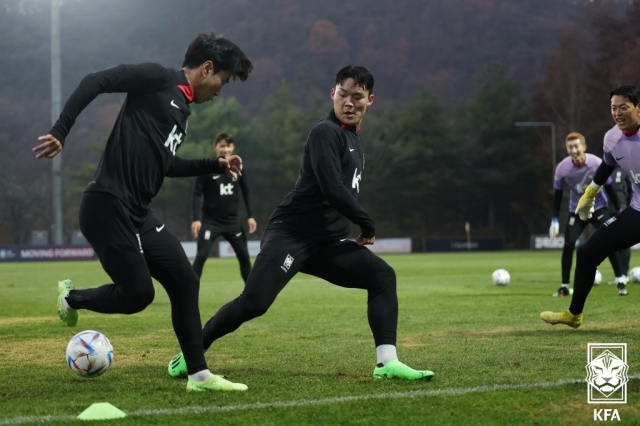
{"x":141,"y":149}
{"x":324,"y":202}
{"x":221,"y":198}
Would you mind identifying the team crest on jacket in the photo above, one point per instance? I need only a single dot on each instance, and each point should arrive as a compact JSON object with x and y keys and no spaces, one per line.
{"x":287,"y":263}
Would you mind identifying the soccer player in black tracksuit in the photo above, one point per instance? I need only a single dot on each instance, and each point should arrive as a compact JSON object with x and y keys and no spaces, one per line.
{"x":307,"y":232}
{"x":132,"y":244}
{"x":220,"y":211}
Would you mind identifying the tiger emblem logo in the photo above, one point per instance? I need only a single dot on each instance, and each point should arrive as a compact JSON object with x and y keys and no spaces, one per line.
{"x":607,"y":373}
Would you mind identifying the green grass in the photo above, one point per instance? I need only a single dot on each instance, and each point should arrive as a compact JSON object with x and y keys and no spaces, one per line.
{"x":314,"y":344}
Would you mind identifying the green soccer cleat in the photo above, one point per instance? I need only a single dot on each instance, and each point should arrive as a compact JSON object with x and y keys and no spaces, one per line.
{"x":396,"y":369}
{"x":178,"y":366}
{"x":566,"y":317}
{"x":214,"y":383}
{"x":68,"y":316}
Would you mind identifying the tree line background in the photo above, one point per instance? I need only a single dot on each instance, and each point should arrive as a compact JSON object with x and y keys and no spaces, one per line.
{"x":441,"y":147}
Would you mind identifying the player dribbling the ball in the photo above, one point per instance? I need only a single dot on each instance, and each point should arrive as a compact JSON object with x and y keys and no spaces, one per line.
{"x":131,"y":243}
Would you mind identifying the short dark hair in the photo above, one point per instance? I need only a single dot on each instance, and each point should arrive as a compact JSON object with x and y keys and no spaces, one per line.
{"x":225,"y":55}
{"x":628,"y":91}
{"x":223,"y":137}
{"x":361,"y":75}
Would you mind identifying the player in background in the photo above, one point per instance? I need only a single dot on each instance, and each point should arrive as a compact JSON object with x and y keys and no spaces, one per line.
{"x":621,"y":147}
{"x":218,"y":215}
{"x":131,"y":243}
{"x":575,"y":172}
{"x":621,"y":185}
{"x":307,"y":232}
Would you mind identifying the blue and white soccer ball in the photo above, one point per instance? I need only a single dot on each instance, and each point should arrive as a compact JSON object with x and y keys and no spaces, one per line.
{"x":500,"y":277}
{"x":598,"y":278}
{"x":89,"y":353}
{"x":634,"y":274}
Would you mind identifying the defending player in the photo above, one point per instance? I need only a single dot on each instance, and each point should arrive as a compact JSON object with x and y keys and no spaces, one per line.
{"x":621,"y":146}
{"x":220,"y":211}
{"x":575,"y":172}
{"x":307,"y":231}
{"x":132,"y":244}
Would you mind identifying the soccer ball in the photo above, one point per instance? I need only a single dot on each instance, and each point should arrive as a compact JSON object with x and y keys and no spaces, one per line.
{"x":500,"y":277}
{"x":634,"y":274}
{"x":89,"y":353}
{"x":598,"y":278}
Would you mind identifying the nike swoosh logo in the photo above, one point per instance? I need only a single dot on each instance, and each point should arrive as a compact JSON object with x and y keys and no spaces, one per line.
{"x":173,"y":104}
{"x":238,"y":234}
{"x":216,"y":176}
{"x":158,"y":229}
{"x":618,"y":159}
{"x":600,"y":217}
{"x":351,"y":149}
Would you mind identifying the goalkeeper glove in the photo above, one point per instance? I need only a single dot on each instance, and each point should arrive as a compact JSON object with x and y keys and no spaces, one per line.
{"x":587,"y":201}
{"x":554,"y":228}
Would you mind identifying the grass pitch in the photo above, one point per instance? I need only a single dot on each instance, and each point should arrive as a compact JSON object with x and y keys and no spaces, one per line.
{"x":310,"y":359}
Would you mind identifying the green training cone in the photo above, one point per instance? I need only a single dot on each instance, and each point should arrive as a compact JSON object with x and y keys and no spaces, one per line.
{"x":101,"y":411}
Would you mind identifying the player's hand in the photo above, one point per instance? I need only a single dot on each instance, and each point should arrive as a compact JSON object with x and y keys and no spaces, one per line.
{"x":232,"y":165}
{"x":362,"y":241}
{"x":554,"y":229}
{"x":49,"y":148}
{"x":586,"y":203}
{"x":253,"y":225}
{"x":195,"y":228}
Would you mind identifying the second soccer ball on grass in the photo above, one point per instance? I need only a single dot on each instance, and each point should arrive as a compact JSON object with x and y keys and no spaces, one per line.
{"x":500,"y":277}
{"x":598,"y":278}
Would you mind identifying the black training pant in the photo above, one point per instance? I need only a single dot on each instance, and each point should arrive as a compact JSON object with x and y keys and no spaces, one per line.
{"x":283,"y":254}
{"x":234,"y":234}
{"x":131,"y":250}
{"x":572,"y":232}
{"x":617,"y":233}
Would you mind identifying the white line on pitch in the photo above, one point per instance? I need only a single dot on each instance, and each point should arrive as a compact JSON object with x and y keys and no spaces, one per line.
{"x":306,"y":402}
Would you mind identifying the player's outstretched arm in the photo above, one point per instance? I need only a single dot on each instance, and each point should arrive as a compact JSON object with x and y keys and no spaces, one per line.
{"x":49,"y":148}
{"x":181,"y":167}
{"x":122,"y":78}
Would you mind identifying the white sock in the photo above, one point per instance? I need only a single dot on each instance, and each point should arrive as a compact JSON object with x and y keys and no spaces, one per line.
{"x":65,"y":304}
{"x":565,"y":285}
{"x":386,"y":353}
{"x":201,"y":375}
